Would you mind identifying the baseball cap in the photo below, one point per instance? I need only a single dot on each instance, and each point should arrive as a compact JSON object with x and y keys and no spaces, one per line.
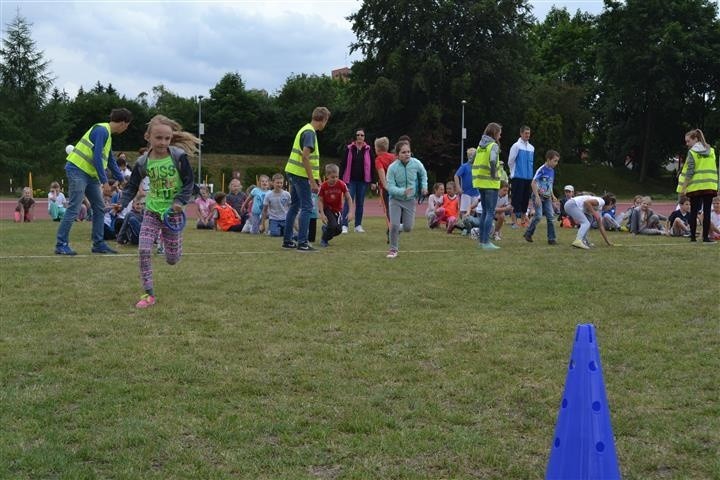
{"x":569,"y":188}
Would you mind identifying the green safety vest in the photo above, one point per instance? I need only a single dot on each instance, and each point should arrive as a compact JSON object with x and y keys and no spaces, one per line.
{"x":295,"y":163}
{"x":481,"y":169}
{"x":705,"y":176}
{"x":82,"y":154}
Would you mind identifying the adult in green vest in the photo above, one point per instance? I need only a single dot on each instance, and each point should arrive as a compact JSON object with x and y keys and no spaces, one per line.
{"x":303,"y":172}
{"x":85,"y":169}
{"x":699,"y":181}
{"x":486,"y":179}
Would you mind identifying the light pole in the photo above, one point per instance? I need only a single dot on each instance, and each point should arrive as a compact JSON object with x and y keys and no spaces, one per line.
{"x":201,"y":131}
{"x":463,"y":134}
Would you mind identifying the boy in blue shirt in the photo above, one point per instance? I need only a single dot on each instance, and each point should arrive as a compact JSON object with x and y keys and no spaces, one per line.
{"x":543,"y":197}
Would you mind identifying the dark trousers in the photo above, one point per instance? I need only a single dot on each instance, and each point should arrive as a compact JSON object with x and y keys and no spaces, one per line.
{"x":312,"y":230}
{"x":695,"y":202}
{"x":521,"y":189}
{"x":334,"y":225}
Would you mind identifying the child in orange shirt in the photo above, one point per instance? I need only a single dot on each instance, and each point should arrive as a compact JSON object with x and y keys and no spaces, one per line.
{"x":226,"y":217}
{"x":450,"y":209}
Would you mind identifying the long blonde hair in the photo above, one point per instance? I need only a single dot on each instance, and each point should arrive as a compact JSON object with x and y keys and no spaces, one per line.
{"x":697,"y":135}
{"x":185,"y":140}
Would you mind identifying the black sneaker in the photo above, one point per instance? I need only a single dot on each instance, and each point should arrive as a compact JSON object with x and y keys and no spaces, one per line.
{"x":103,"y":248}
{"x":289,"y":244}
{"x":528,"y":238}
{"x":305,"y":247}
{"x":552,"y":242}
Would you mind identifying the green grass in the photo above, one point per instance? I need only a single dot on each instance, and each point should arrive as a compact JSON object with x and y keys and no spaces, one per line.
{"x":447,"y":362}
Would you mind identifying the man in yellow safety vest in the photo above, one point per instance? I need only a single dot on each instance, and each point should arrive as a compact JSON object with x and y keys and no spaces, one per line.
{"x":85,"y":169}
{"x":303,"y":172}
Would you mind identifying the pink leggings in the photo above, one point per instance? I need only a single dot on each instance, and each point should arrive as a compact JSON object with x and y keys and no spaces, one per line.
{"x":152,"y":225}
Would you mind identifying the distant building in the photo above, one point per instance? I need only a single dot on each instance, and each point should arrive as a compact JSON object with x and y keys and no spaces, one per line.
{"x":341,"y":74}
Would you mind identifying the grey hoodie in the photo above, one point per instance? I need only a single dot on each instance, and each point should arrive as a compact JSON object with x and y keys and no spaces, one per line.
{"x":494,"y":154}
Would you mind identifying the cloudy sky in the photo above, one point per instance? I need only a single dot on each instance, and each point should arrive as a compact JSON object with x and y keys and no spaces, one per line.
{"x":189,"y":45}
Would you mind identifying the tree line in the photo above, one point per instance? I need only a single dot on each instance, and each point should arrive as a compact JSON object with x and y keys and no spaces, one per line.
{"x":628,"y":81}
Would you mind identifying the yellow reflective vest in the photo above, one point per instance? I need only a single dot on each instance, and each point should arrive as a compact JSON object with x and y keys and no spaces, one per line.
{"x":295,"y":162}
{"x":705,"y":176}
{"x":82,"y":154}
{"x":481,"y":169}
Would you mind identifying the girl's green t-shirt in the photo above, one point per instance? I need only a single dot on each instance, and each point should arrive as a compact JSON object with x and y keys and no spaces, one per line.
{"x":164,"y":184}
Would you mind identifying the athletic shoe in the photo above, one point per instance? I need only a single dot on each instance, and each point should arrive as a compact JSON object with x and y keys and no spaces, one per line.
{"x":359,"y":229}
{"x":344,"y":229}
{"x":392,"y":253}
{"x":552,"y":242}
{"x":146,"y":301}
{"x":65,"y":250}
{"x":290,"y":244}
{"x":475,"y":233}
{"x":708,"y":241}
{"x":528,"y":238}
{"x":624,"y":229}
{"x":489,"y":246}
{"x":588,"y":243}
{"x":514,"y":226}
{"x":579,"y":244}
{"x":497,"y":237}
{"x":161,"y":249}
{"x":305,"y":247}
{"x":103,"y":248}
{"x":323,"y":243}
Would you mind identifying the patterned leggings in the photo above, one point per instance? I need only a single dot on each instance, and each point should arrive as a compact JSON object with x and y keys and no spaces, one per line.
{"x":152,"y":225}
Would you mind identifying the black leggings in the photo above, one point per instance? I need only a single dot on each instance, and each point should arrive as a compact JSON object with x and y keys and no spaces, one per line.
{"x":695,"y":203}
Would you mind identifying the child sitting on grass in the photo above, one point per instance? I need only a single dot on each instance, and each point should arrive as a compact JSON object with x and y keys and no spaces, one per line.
{"x":225,"y":217}
{"x":25,"y":206}
{"x":434,"y":202}
{"x":678,"y":223}
{"x":645,"y":221}
{"x":57,"y":203}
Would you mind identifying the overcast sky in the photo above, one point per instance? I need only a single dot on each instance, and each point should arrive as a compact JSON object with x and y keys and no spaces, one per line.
{"x":189,"y":45}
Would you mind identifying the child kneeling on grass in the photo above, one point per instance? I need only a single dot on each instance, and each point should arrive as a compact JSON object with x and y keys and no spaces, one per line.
{"x":330,"y":204}
{"x":225,"y":217}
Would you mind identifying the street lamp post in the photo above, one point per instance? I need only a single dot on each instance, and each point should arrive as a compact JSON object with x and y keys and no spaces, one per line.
{"x":201,"y":131}
{"x":463,"y":134}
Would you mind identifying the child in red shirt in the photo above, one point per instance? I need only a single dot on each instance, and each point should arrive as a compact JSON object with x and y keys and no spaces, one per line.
{"x":330,"y":205}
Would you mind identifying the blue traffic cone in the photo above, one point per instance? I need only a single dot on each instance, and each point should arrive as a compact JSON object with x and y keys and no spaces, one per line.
{"x":583,"y":446}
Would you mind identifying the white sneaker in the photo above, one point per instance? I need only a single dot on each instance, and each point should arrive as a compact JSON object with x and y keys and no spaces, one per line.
{"x":359,"y":229}
{"x":344,"y":229}
{"x":392,"y":253}
{"x":497,"y":237}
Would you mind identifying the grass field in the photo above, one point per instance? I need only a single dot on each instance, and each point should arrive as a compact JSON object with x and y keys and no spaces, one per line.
{"x":447,"y":362}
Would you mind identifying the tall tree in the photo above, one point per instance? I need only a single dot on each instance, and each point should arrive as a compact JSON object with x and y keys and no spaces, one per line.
{"x":25,"y":81}
{"x":422,"y":57}
{"x":659,"y":73}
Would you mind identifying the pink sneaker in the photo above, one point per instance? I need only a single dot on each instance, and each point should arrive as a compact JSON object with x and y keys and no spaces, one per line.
{"x":392,"y":253}
{"x":146,"y":301}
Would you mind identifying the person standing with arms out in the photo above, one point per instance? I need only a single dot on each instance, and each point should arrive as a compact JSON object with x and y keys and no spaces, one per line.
{"x":357,"y":171}
{"x":303,"y":172}
{"x":520,"y":161}
{"x":406,"y":179}
{"x":171,"y":185}
{"x":699,"y":181}
{"x":486,"y":179}
{"x":85,"y":170}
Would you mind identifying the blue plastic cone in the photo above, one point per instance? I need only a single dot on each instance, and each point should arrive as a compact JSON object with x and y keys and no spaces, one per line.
{"x":583,"y":446}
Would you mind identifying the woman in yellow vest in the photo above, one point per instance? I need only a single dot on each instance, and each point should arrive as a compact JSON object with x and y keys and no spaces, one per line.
{"x":486,"y":179}
{"x":303,"y":173}
{"x":699,"y":181}
{"x":85,"y":168}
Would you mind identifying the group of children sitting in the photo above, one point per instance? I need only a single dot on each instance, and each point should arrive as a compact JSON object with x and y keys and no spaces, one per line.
{"x":444,"y":210}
